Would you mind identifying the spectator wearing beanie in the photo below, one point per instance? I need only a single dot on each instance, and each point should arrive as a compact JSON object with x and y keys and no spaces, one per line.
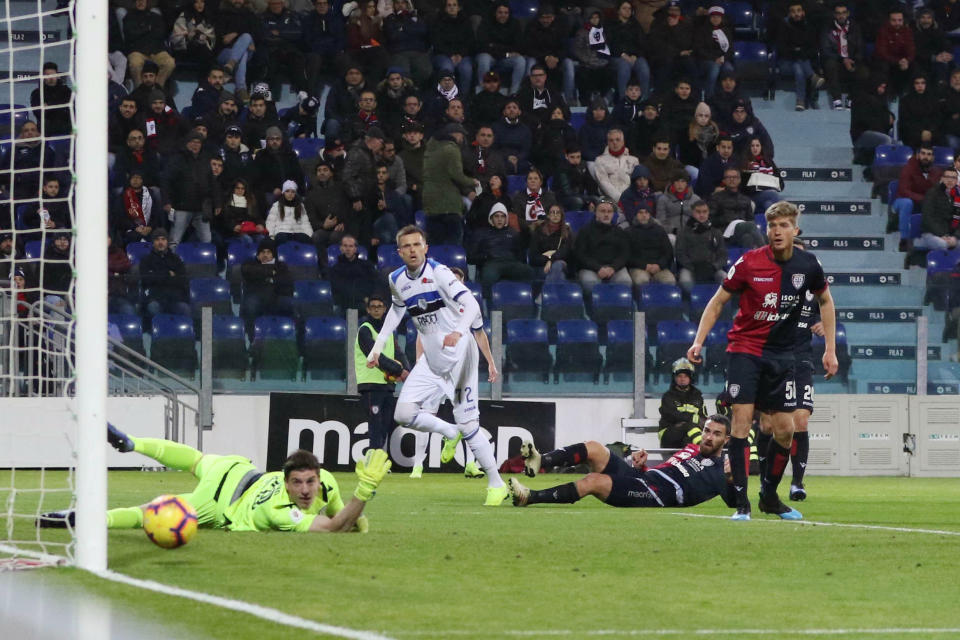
{"x":288,"y":220}
{"x":267,"y":285}
{"x":163,"y":278}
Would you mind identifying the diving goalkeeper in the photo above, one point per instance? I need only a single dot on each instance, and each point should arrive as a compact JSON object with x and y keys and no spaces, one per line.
{"x":232,"y":494}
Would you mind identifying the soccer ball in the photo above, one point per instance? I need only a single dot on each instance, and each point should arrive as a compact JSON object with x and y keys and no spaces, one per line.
{"x":170,"y":522}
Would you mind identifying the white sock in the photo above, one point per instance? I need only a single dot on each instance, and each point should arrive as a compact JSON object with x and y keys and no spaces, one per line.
{"x":420,"y":445}
{"x":428,"y":422}
{"x":483,"y":452}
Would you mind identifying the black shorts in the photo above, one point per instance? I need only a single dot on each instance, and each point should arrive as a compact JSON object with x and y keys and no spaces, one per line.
{"x":631,"y":488}
{"x":804,"y":377}
{"x":765,"y":382}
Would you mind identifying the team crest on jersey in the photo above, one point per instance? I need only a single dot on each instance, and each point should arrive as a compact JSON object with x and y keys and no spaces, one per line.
{"x":296,"y":515}
{"x":374,"y":409}
{"x":422,"y":304}
{"x":797,"y":280}
{"x":770,"y":300}
{"x":734,"y":390}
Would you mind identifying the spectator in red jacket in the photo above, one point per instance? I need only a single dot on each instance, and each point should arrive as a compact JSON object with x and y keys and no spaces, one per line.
{"x":916,"y":178}
{"x":895,"y":51}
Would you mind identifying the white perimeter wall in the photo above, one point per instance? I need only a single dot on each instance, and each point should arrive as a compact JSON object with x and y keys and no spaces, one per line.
{"x":849,"y":435}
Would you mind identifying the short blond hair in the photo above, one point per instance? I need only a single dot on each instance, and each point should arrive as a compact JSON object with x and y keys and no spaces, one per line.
{"x":783,"y":209}
{"x":409,"y":230}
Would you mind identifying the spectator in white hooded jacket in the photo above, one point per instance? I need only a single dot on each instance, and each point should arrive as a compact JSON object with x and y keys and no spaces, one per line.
{"x":614,"y":166}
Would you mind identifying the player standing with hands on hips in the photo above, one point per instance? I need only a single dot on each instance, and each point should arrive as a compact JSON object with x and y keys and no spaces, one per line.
{"x":443,"y":310}
{"x":773,"y":282}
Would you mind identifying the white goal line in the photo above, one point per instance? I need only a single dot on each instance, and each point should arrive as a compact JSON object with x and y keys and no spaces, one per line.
{"x":847,"y":525}
{"x":781,"y":633}
{"x":265,"y":613}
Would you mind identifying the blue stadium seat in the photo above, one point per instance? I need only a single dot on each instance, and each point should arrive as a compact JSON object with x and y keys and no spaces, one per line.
{"x":751,"y":60}
{"x":514,"y":299}
{"x":238,"y":252}
{"x":528,"y":349}
{"x":210,"y":292}
{"x":449,"y":254}
{"x":324,"y":351}
{"x":420,"y":219}
{"x":620,"y":349}
{"x":387,"y":258}
{"x":33,"y":250}
{"x":516,"y":183}
{"x":200,"y":258}
{"x":230,"y":357}
{"x":733,"y":254}
{"x":11,"y":118}
{"x":300,"y":258}
{"x":274,"y":348}
{"x":673,"y":340}
{"x":943,"y":156}
{"x":843,"y":354}
{"x":891,"y":156}
{"x":715,"y":352}
{"x":312,"y":298}
{"x":578,"y":219}
{"x":892,"y":191}
{"x":306,"y":148}
{"x":137,"y":250}
{"x":761,"y":221}
{"x":131,"y":330}
{"x":20,"y":216}
{"x":915,"y":225}
{"x":578,"y":350}
{"x":561,"y":301}
{"x":61,"y":152}
{"x":661,"y":302}
{"x":611,"y":302}
{"x":333,"y":252}
{"x":477,"y":290}
{"x":741,"y":15}
{"x":173,"y":344}
{"x":942,"y":261}
{"x":524,"y":9}
{"x":940,"y":265}
{"x":700,"y":295}
{"x":577,"y":118}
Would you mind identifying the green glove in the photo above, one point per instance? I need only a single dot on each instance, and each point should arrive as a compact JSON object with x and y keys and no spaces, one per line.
{"x":370,"y":473}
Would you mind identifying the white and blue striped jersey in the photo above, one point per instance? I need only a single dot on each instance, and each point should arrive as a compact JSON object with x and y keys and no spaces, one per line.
{"x":431,"y":297}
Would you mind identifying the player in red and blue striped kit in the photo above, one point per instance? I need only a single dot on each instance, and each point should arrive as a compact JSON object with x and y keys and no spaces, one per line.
{"x":773,"y":283}
{"x":692,"y":475}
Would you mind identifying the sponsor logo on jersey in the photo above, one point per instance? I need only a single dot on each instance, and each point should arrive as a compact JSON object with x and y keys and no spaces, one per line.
{"x":770,"y":300}
{"x":405,"y":287}
{"x":758,"y":279}
{"x":797,"y":280}
{"x":427,"y":281}
{"x":734,"y":390}
{"x":296,"y":515}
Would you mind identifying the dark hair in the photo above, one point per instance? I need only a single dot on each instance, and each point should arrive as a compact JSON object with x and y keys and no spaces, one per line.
{"x":660,"y":139}
{"x":724,"y":137}
{"x":215,"y":67}
{"x":300,"y":460}
{"x":724,"y":420}
{"x":925,"y":145}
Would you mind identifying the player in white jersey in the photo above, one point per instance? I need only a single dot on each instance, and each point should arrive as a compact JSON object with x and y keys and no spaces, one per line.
{"x":443,"y":310}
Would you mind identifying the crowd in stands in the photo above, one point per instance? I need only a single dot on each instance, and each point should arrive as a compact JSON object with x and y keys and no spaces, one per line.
{"x":457,"y":117}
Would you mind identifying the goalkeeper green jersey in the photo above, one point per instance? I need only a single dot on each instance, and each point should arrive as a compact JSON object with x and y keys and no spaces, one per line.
{"x":266,"y":505}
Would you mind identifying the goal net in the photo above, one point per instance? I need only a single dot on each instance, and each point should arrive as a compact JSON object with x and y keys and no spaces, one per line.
{"x":43,"y":307}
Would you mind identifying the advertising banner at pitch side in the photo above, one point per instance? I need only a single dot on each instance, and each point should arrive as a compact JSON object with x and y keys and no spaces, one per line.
{"x":334,"y":428}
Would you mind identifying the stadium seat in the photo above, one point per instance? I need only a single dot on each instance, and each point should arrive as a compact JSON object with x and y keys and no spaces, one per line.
{"x":516,"y":184}
{"x":173,"y":344}
{"x":528,"y":350}
{"x":888,"y":159}
{"x":324,"y":347}
{"x":300,"y":258}
{"x":577,"y":118}
{"x":238,"y":252}
{"x":137,"y":250}
{"x":306,"y":148}
{"x":916,"y":220}
{"x":661,"y":302}
{"x":578,"y":350}
{"x":20,"y":217}
{"x":741,"y":15}
{"x":230,"y":358}
{"x":733,"y":254}
{"x":477,"y":290}
{"x":33,"y":250}
{"x":578,"y":219}
{"x":131,"y":330}
{"x":420,"y":219}
{"x":11,"y":118}
{"x":210,"y":292}
{"x":524,"y":9}
{"x":752,"y":61}
{"x":943,"y":156}
{"x":387,"y":258}
{"x":673,"y":340}
{"x":513,"y":299}
{"x":333,"y":252}
{"x":715,"y":356}
{"x":620,"y":349}
{"x":561,"y":301}
{"x":450,"y":255}
{"x":200,"y":258}
{"x":274,"y":348}
{"x":312,"y":298}
{"x":611,"y":302}
{"x":892,"y":191}
{"x":843,"y":354}
{"x":940,"y":266}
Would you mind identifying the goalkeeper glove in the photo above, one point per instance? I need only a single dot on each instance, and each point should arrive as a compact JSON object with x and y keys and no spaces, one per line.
{"x":370,"y":473}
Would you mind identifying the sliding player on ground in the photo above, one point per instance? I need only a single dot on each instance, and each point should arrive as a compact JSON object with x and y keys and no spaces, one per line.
{"x":692,"y":475}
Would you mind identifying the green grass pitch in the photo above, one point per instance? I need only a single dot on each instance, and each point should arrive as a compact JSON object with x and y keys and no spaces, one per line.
{"x":436,"y":564}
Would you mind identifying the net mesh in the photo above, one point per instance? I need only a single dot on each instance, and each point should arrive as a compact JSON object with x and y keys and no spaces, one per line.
{"x":37,"y":273}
